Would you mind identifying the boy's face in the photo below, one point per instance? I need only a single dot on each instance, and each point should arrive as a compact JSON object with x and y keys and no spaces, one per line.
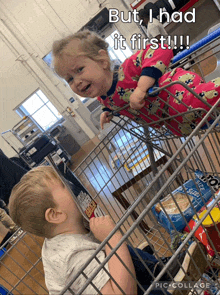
{"x":64,"y":201}
{"x":86,"y":77}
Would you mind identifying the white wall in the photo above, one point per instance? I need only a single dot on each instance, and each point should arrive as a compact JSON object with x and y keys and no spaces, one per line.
{"x":27,"y":31}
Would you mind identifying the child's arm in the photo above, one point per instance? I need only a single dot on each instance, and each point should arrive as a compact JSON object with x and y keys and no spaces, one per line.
{"x":153,"y":65}
{"x":101,"y":227}
{"x":137,"y":97}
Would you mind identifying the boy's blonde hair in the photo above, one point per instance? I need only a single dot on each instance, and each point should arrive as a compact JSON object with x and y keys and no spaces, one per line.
{"x":90,"y":44}
{"x":30,"y":199}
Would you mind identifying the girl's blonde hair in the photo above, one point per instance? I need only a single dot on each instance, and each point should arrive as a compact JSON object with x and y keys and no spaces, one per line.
{"x":90,"y":44}
{"x":30,"y":199}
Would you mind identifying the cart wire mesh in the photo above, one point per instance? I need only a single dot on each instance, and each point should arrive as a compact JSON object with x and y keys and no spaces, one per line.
{"x":129,"y":202}
{"x":106,"y":173}
{"x":21,"y":269}
{"x":133,"y":169}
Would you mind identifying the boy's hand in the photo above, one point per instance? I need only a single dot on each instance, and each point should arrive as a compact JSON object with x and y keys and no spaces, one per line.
{"x":101,"y":226}
{"x":105,"y":118}
{"x":137,"y":99}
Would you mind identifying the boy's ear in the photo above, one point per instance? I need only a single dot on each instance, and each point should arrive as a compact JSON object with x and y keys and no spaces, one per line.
{"x":53,"y":215}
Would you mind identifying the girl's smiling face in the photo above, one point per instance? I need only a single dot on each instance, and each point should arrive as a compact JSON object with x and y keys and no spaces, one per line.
{"x":86,"y":77}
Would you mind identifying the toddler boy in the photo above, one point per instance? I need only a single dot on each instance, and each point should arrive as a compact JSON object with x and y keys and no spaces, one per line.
{"x":41,"y":204}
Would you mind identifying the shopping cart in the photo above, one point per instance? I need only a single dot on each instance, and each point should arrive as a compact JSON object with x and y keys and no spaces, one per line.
{"x":122,"y":174}
{"x":129,"y":172}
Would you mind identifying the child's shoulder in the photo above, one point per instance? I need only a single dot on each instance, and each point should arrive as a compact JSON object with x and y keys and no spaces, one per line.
{"x":63,"y":246}
{"x":69,"y":239}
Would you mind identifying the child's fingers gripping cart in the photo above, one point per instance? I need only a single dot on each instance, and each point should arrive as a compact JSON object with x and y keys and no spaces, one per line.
{"x":161,"y":166}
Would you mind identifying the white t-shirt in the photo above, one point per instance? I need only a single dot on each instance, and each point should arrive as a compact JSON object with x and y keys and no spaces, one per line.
{"x":64,"y":255}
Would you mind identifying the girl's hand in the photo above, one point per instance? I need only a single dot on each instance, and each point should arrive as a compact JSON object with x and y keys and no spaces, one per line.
{"x":137,"y":99}
{"x":105,"y":118}
{"x":101,"y":226}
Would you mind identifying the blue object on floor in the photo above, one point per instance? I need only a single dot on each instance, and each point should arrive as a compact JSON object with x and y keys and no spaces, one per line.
{"x":4,"y":291}
{"x":2,"y":252}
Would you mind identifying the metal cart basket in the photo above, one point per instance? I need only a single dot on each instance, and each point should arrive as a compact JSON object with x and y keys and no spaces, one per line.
{"x":136,"y":168}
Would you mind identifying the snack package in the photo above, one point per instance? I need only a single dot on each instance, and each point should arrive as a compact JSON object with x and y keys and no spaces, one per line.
{"x":89,"y":206}
{"x":213,"y":181}
{"x":86,"y":204}
{"x":84,"y":199}
{"x":196,"y":192}
{"x":200,"y":233}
